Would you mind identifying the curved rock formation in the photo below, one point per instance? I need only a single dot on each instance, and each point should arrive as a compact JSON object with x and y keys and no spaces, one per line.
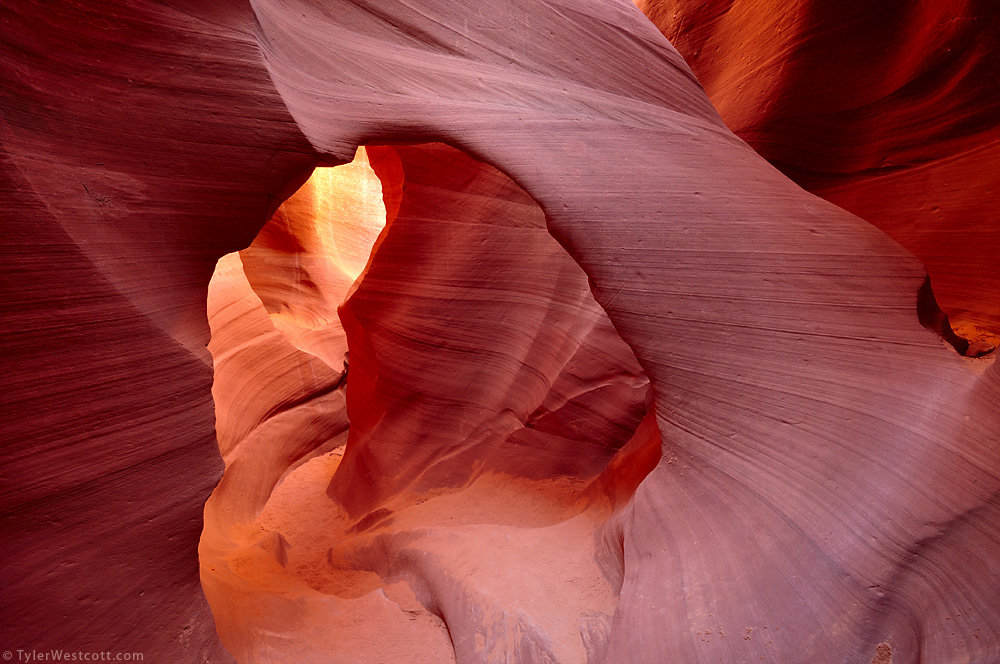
{"x":889,"y":111}
{"x":827,"y":489}
{"x":487,"y":394}
{"x":140,"y":143}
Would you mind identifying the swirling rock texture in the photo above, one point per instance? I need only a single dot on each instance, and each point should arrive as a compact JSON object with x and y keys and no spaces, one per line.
{"x":617,"y":389}
{"x":889,"y":111}
{"x":488,"y":393}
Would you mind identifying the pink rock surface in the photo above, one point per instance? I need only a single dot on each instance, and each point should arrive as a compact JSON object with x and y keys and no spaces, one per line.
{"x":889,"y":114}
{"x":827,"y":489}
{"x":122,"y":185}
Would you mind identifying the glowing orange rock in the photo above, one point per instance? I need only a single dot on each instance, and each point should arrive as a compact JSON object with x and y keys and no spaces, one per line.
{"x":483,"y":374}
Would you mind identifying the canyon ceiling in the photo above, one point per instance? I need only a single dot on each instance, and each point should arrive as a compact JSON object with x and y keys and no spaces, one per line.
{"x":522,"y":331}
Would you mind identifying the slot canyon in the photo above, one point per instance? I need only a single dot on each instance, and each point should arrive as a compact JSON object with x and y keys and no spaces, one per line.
{"x":411,"y":331}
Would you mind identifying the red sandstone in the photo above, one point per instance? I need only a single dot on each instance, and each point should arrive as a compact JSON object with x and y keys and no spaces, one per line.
{"x":617,"y":390}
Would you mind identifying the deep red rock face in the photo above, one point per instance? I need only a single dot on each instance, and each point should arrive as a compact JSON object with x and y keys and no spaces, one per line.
{"x":617,"y":390}
{"x":889,"y":111}
{"x":476,"y":344}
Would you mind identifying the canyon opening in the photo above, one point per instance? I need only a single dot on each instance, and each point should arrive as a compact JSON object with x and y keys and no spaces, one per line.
{"x":426,"y":420}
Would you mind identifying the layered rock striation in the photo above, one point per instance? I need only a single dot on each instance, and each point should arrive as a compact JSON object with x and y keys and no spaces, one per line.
{"x":494,"y":426}
{"x":889,"y":112}
{"x":617,"y":390}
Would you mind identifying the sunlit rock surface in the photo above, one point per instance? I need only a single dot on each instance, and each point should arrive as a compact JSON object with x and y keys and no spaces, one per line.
{"x":615,"y":388}
{"x":487,"y":394}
